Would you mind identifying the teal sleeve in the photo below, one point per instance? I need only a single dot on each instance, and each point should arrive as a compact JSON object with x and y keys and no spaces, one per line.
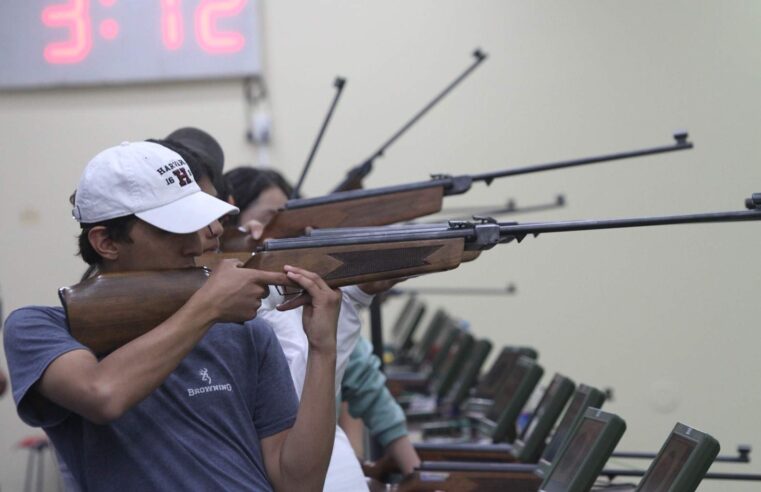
{"x":364,"y":388}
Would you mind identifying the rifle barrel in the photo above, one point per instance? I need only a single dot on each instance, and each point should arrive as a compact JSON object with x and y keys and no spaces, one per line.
{"x":681,"y":144}
{"x":479,"y":57}
{"x":339,"y":85}
{"x":585,"y":225}
{"x":355,"y":175}
{"x":739,"y":458}
{"x":456,"y":185}
{"x":455,"y":291}
{"x":509,"y":208}
{"x":749,"y":477}
{"x":507,"y":230}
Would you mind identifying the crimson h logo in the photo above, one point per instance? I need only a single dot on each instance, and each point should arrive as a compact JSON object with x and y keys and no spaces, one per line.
{"x":182,"y":176}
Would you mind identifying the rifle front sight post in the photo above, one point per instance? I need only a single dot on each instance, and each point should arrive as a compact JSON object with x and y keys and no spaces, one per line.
{"x":753,"y":202}
{"x":681,"y":136}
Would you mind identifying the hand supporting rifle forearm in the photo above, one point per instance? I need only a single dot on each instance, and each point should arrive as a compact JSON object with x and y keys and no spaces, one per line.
{"x":304,"y":454}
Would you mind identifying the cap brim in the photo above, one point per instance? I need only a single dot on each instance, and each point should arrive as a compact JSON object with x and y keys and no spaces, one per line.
{"x":188,"y":214}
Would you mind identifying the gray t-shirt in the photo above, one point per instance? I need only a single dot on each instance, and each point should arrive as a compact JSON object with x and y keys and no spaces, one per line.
{"x":200,"y":430}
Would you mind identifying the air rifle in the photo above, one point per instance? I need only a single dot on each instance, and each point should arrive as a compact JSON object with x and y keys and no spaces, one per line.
{"x":339,"y":84}
{"x":355,"y":175}
{"x":391,"y":204}
{"x":106,"y":311}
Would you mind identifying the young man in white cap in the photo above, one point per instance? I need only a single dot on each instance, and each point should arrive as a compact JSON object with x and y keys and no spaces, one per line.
{"x":204,"y":401}
{"x":251,"y":185}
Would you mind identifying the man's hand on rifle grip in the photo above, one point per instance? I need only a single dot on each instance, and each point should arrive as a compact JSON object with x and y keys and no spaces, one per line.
{"x":233,"y":294}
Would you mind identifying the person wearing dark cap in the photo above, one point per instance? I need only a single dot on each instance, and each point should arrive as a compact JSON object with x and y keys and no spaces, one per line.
{"x":203,"y":401}
{"x":202,"y":143}
{"x":207,"y":149}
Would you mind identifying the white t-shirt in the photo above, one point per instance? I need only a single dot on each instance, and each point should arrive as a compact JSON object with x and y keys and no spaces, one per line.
{"x":344,"y":472}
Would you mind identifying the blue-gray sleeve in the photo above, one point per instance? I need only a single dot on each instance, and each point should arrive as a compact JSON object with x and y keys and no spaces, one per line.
{"x":34,"y":337}
{"x":276,"y":403}
{"x":364,"y":389}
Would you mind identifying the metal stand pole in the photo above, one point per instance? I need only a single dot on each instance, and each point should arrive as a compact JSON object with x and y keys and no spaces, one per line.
{"x":376,"y":329}
{"x":376,"y":332}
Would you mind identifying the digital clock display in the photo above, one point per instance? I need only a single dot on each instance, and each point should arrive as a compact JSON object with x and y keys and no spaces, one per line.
{"x":73,"y":42}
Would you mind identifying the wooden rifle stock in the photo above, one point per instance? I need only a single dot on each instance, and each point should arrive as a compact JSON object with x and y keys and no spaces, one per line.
{"x":374,"y":210}
{"x":109,"y":310}
{"x":470,"y":255}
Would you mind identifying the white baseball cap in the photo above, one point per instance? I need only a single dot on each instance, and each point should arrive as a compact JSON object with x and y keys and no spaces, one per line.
{"x":150,"y":181}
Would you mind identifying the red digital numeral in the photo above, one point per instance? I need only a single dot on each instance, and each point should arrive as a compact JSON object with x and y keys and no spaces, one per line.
{"x":209,"y":38}
{"x":75,"y":16}
{"x":172,"y":31}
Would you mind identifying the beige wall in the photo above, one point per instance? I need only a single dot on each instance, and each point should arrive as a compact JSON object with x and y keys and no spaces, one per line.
{"x":666,"y":317}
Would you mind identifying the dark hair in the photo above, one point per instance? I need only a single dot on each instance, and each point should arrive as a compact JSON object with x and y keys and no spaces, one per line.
{"x":224,"y":189}
{"x":201,"y":143}
{"x":247,"y":183}
{"x":117,"y":229}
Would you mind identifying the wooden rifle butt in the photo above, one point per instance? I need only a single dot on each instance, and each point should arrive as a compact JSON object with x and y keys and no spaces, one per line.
{"x":109,"y":310}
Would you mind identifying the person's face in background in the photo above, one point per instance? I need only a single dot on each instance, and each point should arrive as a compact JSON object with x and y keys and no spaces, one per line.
{"x":264,"y":208}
